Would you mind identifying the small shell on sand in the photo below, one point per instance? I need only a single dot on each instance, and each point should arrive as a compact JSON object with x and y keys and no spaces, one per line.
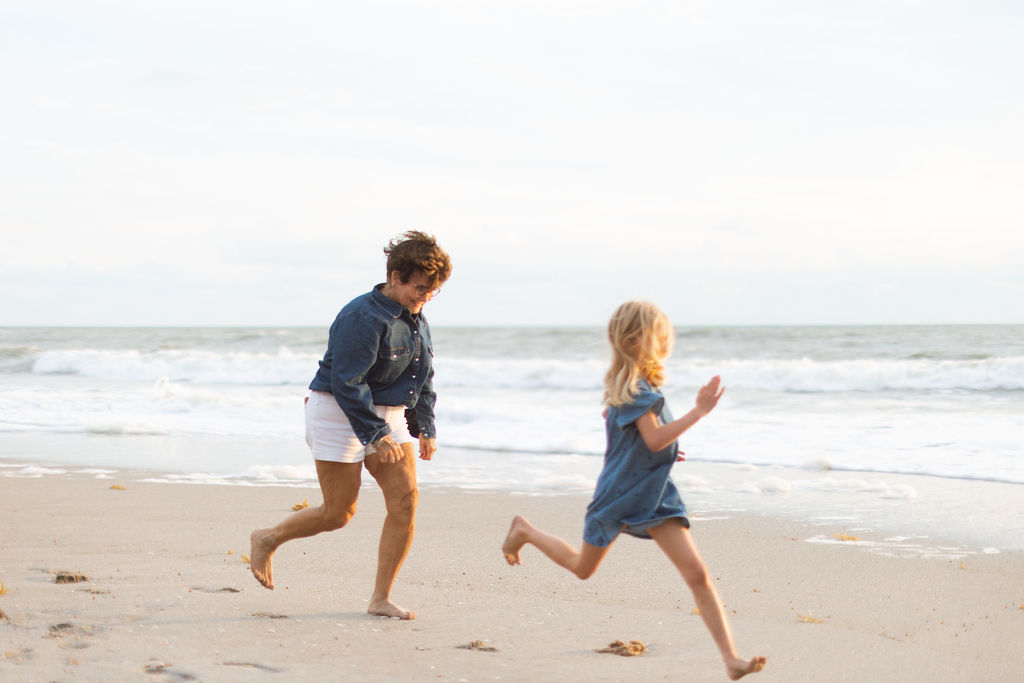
{"x":70,"y":577}
{"x":630,"y":649}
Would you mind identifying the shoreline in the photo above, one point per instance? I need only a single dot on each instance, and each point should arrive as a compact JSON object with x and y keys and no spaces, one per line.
{"x":168,"y":593}
{"x":943,"y":515}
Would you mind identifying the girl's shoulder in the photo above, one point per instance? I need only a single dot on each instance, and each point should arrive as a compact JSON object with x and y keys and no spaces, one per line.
{"x":646,"y":399}
{"x":646,"y":392}
{"x":645,"y":385}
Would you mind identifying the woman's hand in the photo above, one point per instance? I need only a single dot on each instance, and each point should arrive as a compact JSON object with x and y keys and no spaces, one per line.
{"x":388,"y":450}
{"x":428,"y":447}
{"x":707,"y":397}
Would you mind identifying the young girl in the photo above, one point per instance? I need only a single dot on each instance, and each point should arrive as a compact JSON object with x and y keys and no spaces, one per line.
{"x":634,"y":493}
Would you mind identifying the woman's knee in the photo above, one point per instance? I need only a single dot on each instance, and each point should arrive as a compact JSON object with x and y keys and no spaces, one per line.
{"x":403,"y":504}
{"x":335,"y":517}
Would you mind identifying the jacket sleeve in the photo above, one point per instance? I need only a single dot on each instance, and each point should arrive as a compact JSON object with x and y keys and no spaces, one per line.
{"x":421,"y":416}
{"x":354,"y":343}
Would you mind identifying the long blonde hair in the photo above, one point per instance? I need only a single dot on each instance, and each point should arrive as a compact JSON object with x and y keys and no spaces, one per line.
{"x":641,"y":337}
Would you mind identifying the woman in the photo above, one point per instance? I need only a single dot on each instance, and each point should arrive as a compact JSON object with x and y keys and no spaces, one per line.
{"x":371,"y":396}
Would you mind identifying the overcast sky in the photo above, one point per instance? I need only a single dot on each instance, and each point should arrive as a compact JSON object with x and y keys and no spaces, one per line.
{"x":222,"y":163}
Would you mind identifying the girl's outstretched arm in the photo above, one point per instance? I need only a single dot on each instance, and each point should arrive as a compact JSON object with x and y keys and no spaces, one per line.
{"x":658,"y":437}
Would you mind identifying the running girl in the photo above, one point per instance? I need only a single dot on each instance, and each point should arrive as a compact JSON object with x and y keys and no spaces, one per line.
{"x":634,"y":493}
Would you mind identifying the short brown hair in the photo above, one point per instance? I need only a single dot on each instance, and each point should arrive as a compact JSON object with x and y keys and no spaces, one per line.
{"x":417,"y":251}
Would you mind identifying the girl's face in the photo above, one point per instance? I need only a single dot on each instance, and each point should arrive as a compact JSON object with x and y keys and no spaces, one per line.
{"x":662,"y":337}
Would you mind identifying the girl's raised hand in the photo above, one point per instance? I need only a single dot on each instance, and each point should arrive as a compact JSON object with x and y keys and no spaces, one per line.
{"x":707,"y":397}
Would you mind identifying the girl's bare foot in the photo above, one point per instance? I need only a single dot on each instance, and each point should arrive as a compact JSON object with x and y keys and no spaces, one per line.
{"x":386,"y":608}
{"x":261,"y":557}
{"x":738,"y":668}
{"x":515,"y":540}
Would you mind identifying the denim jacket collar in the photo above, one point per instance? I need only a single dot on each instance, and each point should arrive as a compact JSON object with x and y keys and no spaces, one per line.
{"x":393,"y":308}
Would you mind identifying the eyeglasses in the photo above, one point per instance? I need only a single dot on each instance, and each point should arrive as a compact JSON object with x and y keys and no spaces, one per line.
{"x":424,"y":290}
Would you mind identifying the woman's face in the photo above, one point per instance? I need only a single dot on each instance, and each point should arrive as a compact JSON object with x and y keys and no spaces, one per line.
{"x":412,"y":294}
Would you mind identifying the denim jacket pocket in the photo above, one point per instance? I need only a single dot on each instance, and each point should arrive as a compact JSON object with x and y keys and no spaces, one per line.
{"x":393,"y":361}
{"x":394,"y":353}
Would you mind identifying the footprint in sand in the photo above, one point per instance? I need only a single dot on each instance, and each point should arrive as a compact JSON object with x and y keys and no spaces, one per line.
{"x":18,"y":656}
{"x":72,"y":637}
{"x":161,"y":669}
{"x":253,"y":665}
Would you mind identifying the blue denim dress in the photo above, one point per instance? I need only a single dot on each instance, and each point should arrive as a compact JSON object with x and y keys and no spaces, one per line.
{"x":634,"y":491}
{"x":379,"y":354}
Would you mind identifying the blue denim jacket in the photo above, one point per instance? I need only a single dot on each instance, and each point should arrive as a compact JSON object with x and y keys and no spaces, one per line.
{"x":379,"y":354}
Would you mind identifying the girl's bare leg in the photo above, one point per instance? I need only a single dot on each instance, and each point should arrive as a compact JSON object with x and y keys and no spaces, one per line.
{"x":339,"y":483}
{"x":582,"y":563}
{"x":675,"y":541}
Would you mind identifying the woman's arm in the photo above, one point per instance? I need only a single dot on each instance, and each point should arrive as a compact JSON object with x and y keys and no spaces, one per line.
{"x":659,"y":437}
{"x":354,"y":343}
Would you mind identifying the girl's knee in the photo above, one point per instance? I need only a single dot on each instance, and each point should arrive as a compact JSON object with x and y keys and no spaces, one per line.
{"x":584,"y":573}
{"x":695,"y":573}
{"x":585,"y":563}
{"x":585,"y":566}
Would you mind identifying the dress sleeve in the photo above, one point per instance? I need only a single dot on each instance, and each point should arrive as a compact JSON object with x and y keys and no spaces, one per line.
{"x":644,"y":402}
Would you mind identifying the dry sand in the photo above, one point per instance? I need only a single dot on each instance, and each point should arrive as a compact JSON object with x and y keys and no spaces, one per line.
{"x":169,"y":597}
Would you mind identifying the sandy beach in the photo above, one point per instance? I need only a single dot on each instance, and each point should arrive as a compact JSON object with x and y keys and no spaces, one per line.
{"x":167,"y":595}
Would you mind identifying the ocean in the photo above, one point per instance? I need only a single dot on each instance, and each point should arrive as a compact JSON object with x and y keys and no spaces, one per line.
{"x":916,"y":427}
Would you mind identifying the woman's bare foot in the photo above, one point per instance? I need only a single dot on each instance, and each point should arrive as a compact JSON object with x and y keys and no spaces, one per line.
{"x":738,"y":668}
{"x":515,"y":540}
{"x":261,"y":557}
{"x":386,"y":608}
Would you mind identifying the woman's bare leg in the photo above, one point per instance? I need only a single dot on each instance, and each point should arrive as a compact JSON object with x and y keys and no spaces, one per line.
{"x":675,"y":541}
{"x":582,"y":563}
{"x":397,"y":481}
{"x":339,"y":483}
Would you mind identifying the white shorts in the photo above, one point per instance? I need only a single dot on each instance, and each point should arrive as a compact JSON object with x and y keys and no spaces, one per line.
{"x":329,"y":433}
